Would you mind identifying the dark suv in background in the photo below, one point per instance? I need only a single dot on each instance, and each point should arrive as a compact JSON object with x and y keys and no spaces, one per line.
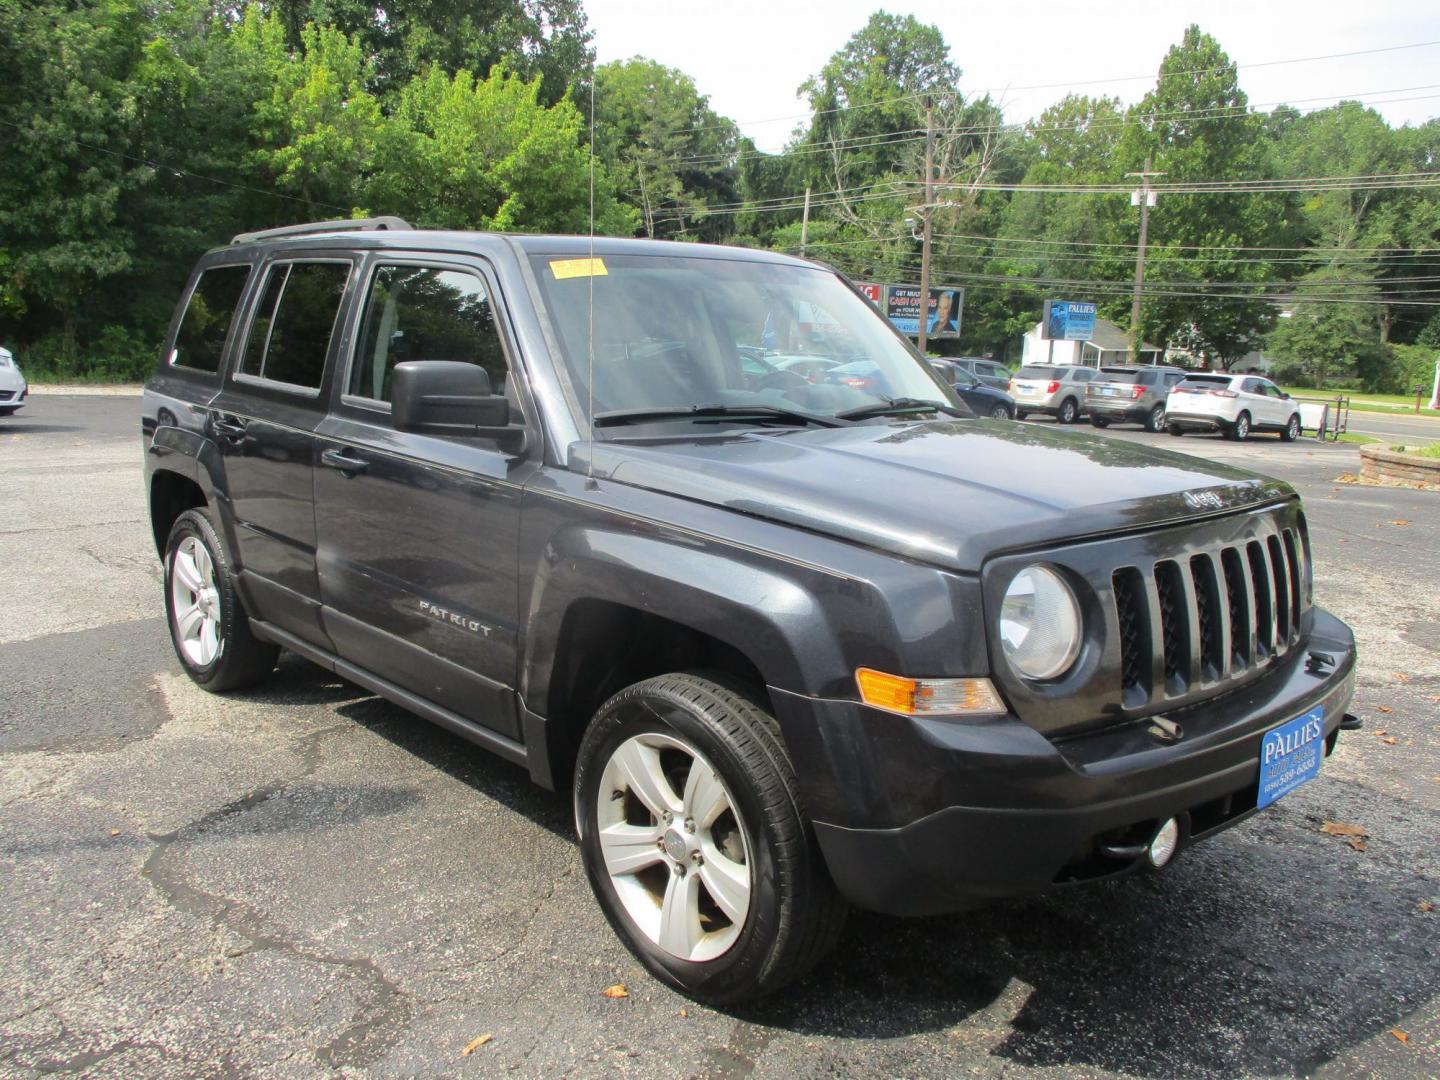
{"x":788,"y":643}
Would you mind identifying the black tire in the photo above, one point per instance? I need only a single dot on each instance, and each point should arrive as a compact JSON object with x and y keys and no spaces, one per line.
{"x":1021,"y":414}
{"x":1099,"y":421}
{"x":1174,"y":430}
{"x":1239,"y":431}
{"x":1000,"y":412}
{"x":1155,"y":420}
{"x":1068,"y":413}
{"x":1291,"y":431}
{"x":9,"y":410}
{"x":241,"y":659}
{"x":794,"y":915}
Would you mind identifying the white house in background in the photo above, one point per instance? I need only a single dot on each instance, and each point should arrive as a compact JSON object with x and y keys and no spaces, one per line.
{"x":1109,"y":345}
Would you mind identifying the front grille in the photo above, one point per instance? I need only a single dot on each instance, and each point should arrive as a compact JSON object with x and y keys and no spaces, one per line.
{"x":1221,"y":614}
{"x":6,"y":395}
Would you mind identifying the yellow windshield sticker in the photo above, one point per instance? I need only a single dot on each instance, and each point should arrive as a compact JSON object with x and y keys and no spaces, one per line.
{"x":569,"y":268}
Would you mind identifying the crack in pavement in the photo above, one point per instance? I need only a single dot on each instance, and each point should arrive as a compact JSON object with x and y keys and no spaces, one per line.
{"x":384,"y":1009}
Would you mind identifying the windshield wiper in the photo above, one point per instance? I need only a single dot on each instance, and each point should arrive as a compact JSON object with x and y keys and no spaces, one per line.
{"x":901,"y":406}
{"x":615,"y":417}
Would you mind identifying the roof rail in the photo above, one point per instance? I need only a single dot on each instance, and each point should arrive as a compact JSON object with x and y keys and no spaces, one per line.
{"x":343,"y":225}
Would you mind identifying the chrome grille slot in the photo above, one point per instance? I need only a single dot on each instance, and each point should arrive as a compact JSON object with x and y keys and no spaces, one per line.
{"x":1292,"y":559}
{"x":1132,"y":617}
{"x":1263,"y":590}
{"x":1280,"y":575}
{"x":1209,"y":618}
{"x":1236,"y":590}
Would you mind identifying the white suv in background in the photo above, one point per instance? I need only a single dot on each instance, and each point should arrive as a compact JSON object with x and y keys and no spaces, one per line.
{"x":1233,"y":404}
{"x":12,"y":384}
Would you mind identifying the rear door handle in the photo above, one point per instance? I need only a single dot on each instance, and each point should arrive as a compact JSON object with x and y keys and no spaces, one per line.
{"x":228,"y":429}
{"x":338,"y":459}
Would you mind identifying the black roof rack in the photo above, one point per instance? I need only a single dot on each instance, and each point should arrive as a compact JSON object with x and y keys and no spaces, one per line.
{"x":343,"y":225}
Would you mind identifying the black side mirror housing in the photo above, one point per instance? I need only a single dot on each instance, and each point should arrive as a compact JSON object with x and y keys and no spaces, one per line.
{"x":446,"y":397}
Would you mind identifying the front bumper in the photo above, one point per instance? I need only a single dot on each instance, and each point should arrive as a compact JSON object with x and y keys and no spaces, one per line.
{"x":921,"y":817}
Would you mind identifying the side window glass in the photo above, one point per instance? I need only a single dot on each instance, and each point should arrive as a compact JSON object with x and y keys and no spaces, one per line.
{"x":200,"y":341}
{"x":424,"y":313}
{"x":290,"y":334}
{"x":1146,"y":378}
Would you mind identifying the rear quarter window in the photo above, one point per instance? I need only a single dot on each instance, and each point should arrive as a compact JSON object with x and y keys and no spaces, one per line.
{"x":290,"y":334}
{"x":200,"y":339}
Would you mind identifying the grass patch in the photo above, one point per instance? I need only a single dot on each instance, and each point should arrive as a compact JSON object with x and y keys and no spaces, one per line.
{"x":1356,"y":440}
{"x":1388,"y":404}
{"x":1431,"y":451}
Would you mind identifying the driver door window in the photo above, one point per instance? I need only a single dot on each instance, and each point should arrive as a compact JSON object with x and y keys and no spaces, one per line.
{"x":424,"y":313}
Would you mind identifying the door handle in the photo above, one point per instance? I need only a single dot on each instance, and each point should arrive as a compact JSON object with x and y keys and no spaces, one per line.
{"x":233,"y":430}
{"x":338,"y":459}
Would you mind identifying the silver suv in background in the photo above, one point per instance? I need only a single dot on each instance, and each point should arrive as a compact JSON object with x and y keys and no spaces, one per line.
{"x":1233,"y":404}
{"x":1057,"y":390}
{"x":13,"y":388}
{"x":1129,"y":393}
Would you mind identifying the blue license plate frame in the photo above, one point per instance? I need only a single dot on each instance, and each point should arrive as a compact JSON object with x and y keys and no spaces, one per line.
{"x":1290,"y":755}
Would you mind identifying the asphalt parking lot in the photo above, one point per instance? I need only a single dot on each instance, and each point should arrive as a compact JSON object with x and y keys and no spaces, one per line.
{"x":306,"y":881}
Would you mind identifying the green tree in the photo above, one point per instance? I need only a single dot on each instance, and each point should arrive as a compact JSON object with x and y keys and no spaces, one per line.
{"x":671,"y":155}
{"x":467,"y":153}
{"x":1333,"y":340}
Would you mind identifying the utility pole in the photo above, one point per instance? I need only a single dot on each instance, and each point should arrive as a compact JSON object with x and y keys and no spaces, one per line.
{"x":1144,"y":197}
{"x":805,"y":222}
{"x":925,"y":239}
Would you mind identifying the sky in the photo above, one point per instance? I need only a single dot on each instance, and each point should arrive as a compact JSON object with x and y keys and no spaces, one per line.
{"x":749,"y":56}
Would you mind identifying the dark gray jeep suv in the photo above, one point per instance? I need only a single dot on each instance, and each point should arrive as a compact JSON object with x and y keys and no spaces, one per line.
{"x":791,"y":645}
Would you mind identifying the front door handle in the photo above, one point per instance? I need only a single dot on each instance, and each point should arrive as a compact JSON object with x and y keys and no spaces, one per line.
{"x":338,"y":459}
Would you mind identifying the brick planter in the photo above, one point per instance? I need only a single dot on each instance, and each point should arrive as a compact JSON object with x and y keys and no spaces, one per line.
{"x":1379,"y":463}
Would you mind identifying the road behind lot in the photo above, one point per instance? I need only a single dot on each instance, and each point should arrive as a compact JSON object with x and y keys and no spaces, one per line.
{"x":305,"y":881}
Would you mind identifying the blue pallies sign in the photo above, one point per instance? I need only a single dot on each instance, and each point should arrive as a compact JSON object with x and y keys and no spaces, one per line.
{"x":1069,"y":320}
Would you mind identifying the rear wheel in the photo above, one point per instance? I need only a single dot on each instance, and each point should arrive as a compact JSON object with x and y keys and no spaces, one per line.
{"x":1240,"y":429}
{"x":1000,"y":412}
{"x":1099,"y":421}
{"x":1292,"y":430}
{"x":1069,"y":411}
{"x":208,"y":625}
{"x":695,"y":843}
{"x":1155,"y":420}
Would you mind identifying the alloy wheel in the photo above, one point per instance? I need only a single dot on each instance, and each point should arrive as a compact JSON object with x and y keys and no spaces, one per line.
{"x":195,"y":601}
{"x":674,"y":846}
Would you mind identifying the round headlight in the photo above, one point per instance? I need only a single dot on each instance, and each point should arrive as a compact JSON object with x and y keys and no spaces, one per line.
{"x":1040,"y":624}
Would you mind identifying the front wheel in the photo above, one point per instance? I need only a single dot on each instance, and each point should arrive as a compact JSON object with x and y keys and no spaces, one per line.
{"x":208,"y":624}
{"x":1069,"y":411}
{"x":1292,"y":430}
{"x":694,"y":841}
{"x":1155,"y":420}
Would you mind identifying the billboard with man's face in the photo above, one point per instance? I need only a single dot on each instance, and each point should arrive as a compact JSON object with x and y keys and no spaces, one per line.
{"x":901,"y":305}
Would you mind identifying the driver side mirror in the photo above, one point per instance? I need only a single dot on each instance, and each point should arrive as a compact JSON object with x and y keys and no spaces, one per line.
{"x":446,"y":397}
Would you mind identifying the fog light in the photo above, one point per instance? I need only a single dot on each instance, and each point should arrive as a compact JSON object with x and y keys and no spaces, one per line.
{"x":1162,"y":848}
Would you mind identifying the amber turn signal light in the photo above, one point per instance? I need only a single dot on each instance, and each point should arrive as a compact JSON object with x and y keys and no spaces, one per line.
{"x":928,"y":697}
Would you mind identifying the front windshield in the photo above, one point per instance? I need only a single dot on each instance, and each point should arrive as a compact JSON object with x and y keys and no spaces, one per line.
{"x":680,"y":333}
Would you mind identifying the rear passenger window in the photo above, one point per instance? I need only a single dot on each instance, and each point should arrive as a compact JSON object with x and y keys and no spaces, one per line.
{"x":290,"y":333}
{"x":200,"y":341}
{"x":424,"y":313}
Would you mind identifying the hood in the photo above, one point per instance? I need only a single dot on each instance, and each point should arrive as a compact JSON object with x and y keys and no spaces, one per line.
{"x":949,"y":493}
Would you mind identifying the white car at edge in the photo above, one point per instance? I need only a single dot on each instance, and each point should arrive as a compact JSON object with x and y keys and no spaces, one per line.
{"x":13,"y":388}
{"x":1236,"y":405}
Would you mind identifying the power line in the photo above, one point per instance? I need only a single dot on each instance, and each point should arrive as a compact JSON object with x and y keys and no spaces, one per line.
{"x":1179,"y":247}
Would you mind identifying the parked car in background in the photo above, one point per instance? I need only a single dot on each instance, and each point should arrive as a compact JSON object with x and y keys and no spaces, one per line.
{"x":13,"y":388}
{"x":1236,"y":405}
{"x":1129,"y":393}
{"x":986,"y":371}
{"x":811,"y":368}
{"x":983,"y":399}
{"x":1057,"y":390}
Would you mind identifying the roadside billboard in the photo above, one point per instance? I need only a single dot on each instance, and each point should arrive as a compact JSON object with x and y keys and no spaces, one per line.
{"x":1068,"y":320}
{"x":901,"y":305}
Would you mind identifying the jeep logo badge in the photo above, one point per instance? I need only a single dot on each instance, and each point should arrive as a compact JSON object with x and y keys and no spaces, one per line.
{"x":1204,"y":500}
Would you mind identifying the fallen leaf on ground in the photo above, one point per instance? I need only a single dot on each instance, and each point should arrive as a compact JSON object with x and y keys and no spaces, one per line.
{"x":1402,"y":1036}
{"x":1425,"y":906}
{"x":1390,"y":741}
{"x":1384,"y":708}
{"x":1380,"y":734}
{"x":684,"y":1013}
{"x":114,"y":832}
{"x":1399,"y":521}
{"x":1342,"y":828}
{"x":476,"y":1043}
{"x":1400,"y":676}
{"x":1356,"y":843}
{"x":616,"y":991}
